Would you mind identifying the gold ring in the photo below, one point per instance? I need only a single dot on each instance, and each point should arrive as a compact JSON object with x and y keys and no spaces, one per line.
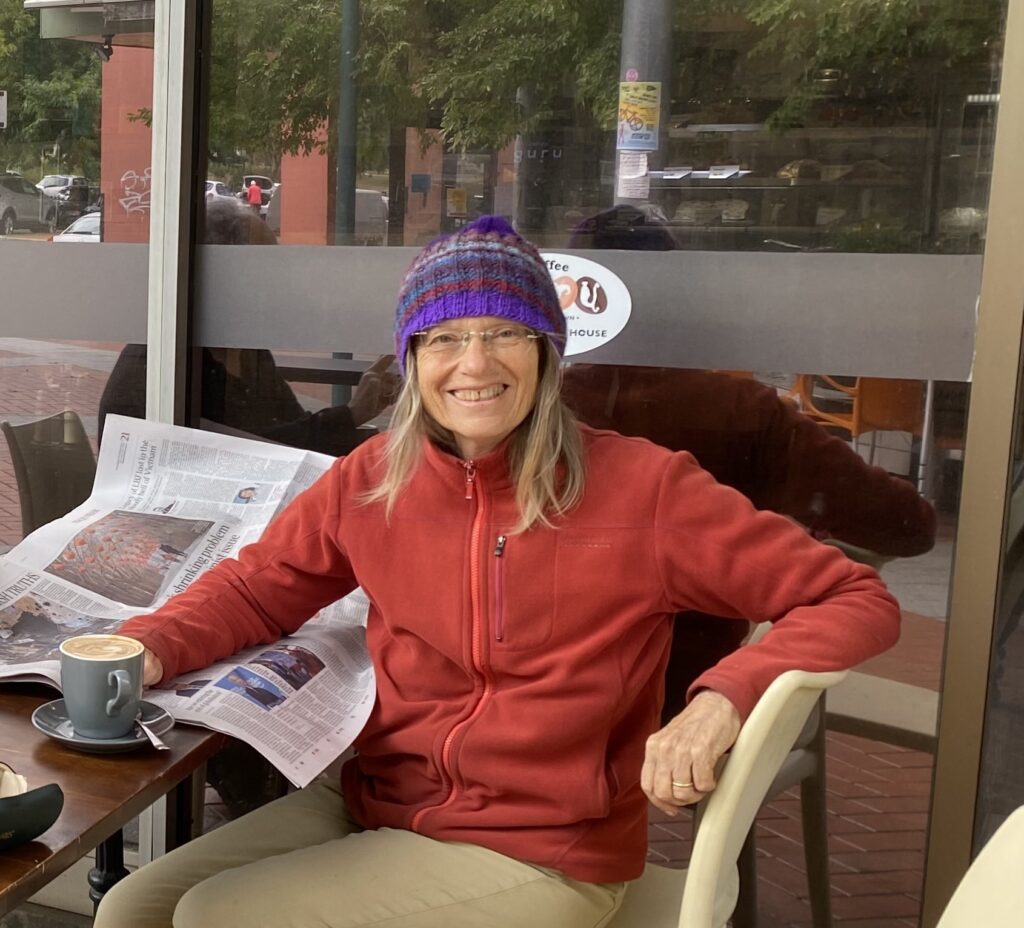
{"x":677,"y":785}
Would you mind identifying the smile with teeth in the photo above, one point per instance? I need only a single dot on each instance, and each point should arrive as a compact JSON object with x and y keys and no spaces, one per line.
{"x":487,"y":393}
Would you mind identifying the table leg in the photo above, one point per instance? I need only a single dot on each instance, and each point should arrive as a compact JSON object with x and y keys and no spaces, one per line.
{"x":109,"y":867}
{"x":184,"y":814}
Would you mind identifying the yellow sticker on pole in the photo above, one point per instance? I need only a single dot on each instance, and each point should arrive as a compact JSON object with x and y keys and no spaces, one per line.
{"x":639,"y":115}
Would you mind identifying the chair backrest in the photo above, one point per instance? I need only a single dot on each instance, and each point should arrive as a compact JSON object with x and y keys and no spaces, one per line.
{"x":890,"y":405}
{"x":991,"y":894}
{"x":763,"y":744}
{"x":54,"y":465}
{"x":875,"y":403}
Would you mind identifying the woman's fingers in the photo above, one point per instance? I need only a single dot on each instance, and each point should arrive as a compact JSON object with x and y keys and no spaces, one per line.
{"x":680,"y":759}
{"x":152,"y":669}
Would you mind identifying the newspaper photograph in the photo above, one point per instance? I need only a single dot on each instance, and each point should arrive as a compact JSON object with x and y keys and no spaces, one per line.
{"x":167,"y":504}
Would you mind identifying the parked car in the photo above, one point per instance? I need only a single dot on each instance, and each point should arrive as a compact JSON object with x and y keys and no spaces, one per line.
{"x":218,"y":190}
{"x":371,"y":226}
{"x":85,"y":229}
{"x":24,"y":206}
{"x":55,"y":185}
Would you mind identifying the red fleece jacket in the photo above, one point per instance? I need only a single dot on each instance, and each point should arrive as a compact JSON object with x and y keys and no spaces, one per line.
{"x":519,"y":675}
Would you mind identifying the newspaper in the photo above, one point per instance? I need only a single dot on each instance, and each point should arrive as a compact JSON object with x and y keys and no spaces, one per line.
{"x":167,"y":504}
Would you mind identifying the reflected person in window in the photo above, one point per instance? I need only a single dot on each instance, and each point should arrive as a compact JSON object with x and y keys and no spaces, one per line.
{"x":242,"y":387}
{"x":749,"y":438}
{"x":522,"y":572}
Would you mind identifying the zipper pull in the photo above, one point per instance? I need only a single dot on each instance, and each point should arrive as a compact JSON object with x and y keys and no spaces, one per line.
{"x":499,"y":548}
{"x":470,"y":478}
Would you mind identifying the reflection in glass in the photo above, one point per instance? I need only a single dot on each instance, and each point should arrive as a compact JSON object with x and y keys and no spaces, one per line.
{"x":1001,"y":789}
{"x":864,"y":127}
{"x":757,"y":126}
{"x":74,"y":166}
{"x":77,"y":138}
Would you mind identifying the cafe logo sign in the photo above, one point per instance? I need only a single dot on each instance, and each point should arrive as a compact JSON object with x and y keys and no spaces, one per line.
{"x":595,"y":301}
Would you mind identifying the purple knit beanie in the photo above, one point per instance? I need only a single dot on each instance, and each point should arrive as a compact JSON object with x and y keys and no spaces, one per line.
{"x":484,"y":269}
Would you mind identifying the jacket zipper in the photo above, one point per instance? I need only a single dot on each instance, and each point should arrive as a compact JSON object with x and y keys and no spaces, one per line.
{"x":477,"y":619}
{"x":499,"y":588}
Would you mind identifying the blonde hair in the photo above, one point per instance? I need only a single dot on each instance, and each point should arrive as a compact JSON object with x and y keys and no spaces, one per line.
{"x":545,"y":455}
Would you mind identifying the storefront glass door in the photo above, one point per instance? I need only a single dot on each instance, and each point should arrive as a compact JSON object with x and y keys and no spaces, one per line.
{"x":785,"y":207}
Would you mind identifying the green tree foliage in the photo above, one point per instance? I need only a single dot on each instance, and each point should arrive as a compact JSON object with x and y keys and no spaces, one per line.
{"x":458,"y":65}
{"x":897,"y":51}
{"x":53,"y":97}
{"x":566,"y":52}
{"x":449,"y":64}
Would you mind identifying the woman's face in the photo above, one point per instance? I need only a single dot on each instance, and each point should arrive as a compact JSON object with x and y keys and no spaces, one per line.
{"x":483,"y":393}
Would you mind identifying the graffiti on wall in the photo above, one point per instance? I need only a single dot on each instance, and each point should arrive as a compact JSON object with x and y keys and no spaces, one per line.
{"x":135,"y":191}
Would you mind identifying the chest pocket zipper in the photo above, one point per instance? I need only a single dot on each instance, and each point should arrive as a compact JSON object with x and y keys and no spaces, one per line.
{"x":498,"y":587}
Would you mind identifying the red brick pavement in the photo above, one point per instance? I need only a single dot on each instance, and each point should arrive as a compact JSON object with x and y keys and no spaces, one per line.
{"x":41,"y":389}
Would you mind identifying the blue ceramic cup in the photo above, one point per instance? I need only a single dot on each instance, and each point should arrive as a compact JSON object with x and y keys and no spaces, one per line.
{"x":101,"y":678}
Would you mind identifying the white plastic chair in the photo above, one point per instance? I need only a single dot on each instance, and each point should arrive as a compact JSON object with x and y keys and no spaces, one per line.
{"x":991,"y":894}
{"x":704,"y":895}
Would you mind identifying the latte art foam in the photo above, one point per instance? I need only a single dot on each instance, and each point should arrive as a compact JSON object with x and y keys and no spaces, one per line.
{"x":101,"y":647}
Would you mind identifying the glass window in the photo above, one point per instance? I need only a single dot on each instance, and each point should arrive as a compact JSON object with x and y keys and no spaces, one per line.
{"x":1000,"y":789}
{"x":74,"y":168}
{"x":794,"y":198}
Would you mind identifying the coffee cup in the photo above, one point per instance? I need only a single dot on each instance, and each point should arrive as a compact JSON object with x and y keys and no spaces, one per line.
{"x":101,"y":677}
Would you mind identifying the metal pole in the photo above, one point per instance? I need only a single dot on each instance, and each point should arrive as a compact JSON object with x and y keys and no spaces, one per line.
{"x":345,"y":186}
{"x":348,"y":103}
{"x":646,"y":55}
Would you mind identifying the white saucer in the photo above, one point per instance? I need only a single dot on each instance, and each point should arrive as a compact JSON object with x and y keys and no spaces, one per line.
{"x":52,"y":720}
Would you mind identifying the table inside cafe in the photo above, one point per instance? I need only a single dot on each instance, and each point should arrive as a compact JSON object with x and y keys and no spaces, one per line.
{"x":101,"y":794}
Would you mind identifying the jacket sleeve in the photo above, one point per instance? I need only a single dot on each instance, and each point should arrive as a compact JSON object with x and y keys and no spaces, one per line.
{"x":823,"y":483}
{"x":272,"y":588}
{"x":718,"y":555}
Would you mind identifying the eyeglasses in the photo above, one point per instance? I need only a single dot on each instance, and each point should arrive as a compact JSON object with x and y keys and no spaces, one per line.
{"x":451,"y":343}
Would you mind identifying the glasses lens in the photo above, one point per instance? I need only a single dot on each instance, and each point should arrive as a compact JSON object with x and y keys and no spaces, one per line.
{"x":455,"y":341}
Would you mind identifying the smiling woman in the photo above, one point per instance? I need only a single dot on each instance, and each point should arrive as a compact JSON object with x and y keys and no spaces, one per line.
{"x":479,"y":388}
{"x":520,"y":567}
{"x":472,"y":393}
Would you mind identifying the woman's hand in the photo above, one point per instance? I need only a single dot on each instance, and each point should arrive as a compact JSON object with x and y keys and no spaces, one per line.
{"x":152,"y":669}
{"x":679,"y":763}
{"x":376,"y":390}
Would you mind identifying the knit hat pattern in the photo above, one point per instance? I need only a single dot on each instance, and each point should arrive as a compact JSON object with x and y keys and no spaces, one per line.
{"x":484,"y":269}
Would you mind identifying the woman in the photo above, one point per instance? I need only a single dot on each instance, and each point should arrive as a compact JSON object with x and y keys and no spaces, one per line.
{"x":522,"y":571}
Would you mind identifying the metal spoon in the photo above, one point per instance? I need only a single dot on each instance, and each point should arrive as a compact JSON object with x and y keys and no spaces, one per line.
{"x":154,"y":738}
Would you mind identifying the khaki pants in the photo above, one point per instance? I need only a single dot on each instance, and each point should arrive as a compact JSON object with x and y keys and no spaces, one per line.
{"x":302,"y":862}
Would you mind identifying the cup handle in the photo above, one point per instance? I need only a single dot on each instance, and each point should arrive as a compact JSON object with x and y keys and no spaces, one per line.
{"x":123,"y":681}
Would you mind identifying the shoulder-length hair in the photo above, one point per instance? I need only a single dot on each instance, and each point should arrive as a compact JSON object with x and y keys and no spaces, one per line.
{"x":545,"y":452}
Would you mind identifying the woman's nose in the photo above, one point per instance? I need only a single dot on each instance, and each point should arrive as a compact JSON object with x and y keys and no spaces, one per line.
{"x":475,"y":356}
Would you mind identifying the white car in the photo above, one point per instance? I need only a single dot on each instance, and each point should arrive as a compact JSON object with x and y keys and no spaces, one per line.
{"x":217,"y":190}
{"x":54,"y":185}
{"x":84,"y":229}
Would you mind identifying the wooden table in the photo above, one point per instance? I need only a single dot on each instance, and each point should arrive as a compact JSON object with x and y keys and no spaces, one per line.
{"x":101,"y":794}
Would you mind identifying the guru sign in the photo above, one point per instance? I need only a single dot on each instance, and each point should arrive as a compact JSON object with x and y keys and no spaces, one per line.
{"x":595,"y":301}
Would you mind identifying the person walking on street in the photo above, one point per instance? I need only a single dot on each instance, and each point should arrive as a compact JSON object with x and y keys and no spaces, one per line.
{"x":254,"y":197}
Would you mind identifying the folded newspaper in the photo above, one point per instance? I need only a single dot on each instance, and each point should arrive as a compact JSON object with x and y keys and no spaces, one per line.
{"x":167,"y":504}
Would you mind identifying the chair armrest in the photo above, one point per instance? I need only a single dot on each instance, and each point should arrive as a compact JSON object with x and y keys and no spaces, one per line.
{"x":884,"y":710}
